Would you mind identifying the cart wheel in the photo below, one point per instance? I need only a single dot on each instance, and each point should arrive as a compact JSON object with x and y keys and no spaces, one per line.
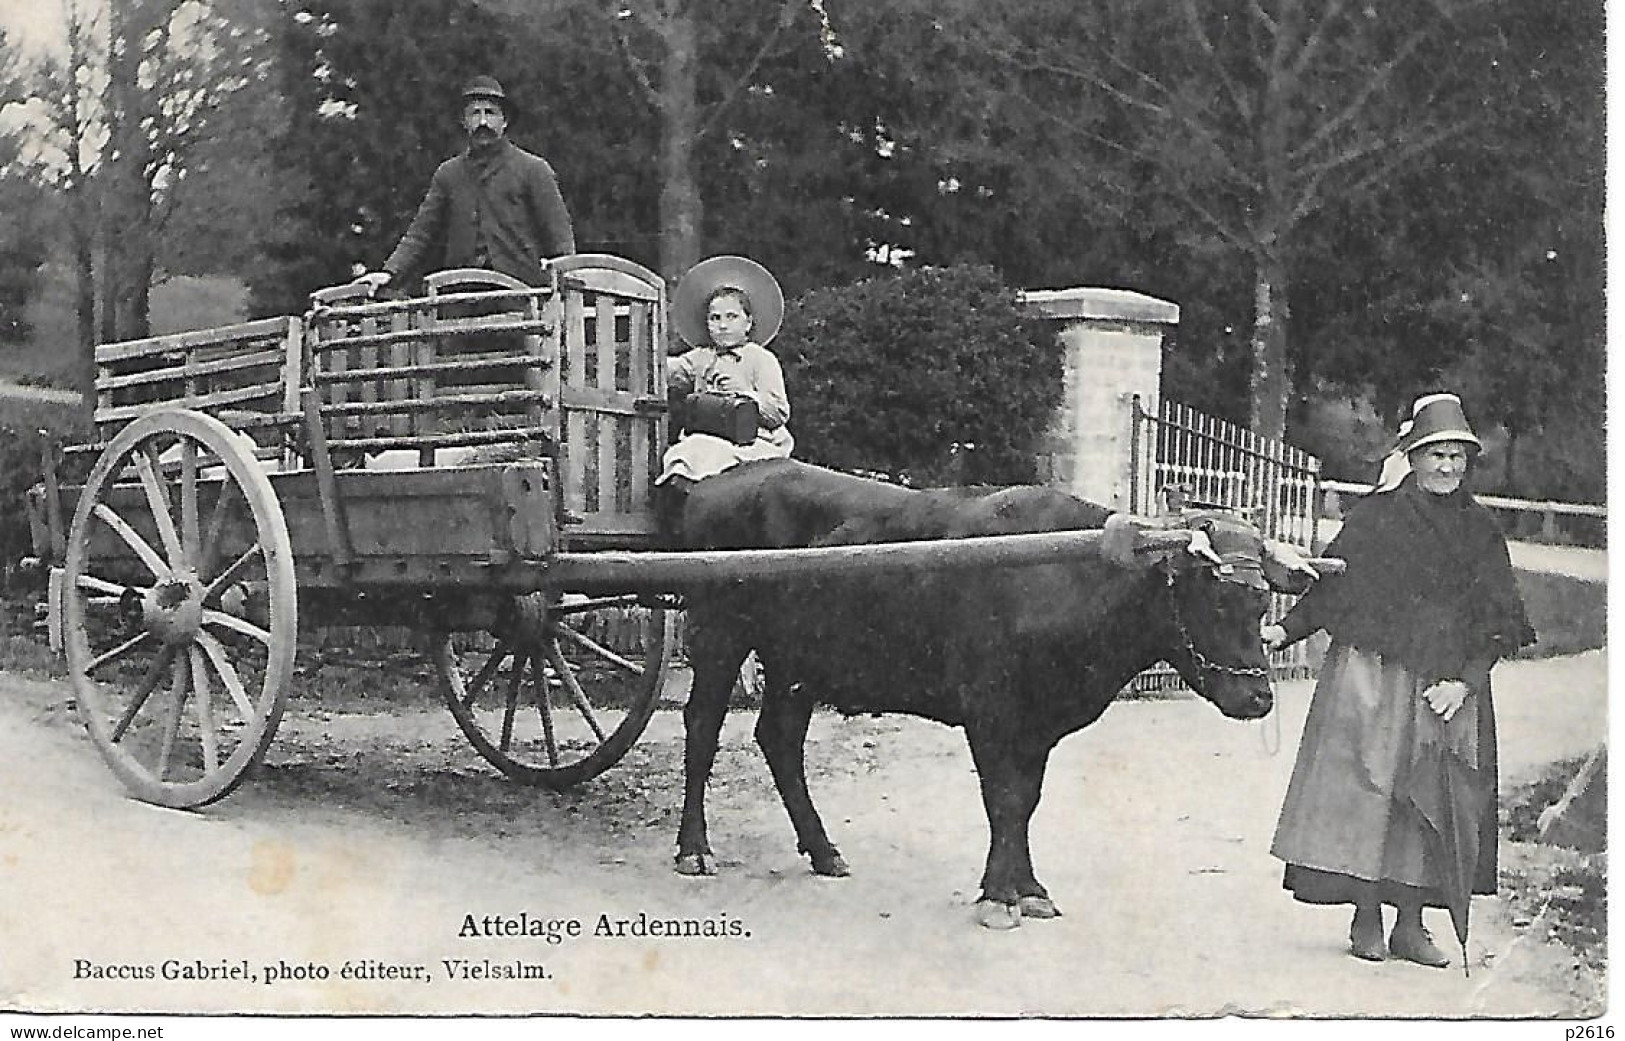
{"x":180,"y":608}
{"x":551,"y":702}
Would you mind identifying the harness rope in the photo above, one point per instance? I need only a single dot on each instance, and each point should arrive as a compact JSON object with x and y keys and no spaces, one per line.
{"x":1269,"y":728}
{"x":1203,"y":662}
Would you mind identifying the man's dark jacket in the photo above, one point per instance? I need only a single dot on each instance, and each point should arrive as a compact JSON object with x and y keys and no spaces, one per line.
{"x":501,"y":211}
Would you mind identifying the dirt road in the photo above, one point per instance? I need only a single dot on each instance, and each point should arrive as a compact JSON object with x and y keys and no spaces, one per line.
{"x":377,"y":841}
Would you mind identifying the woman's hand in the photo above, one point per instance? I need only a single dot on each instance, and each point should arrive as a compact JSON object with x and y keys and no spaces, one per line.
{"x":1274,"y":637}
{"x":1446,"y":697}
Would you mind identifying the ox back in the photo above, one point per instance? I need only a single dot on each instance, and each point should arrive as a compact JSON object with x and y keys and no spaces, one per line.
{"x":935,"y":643}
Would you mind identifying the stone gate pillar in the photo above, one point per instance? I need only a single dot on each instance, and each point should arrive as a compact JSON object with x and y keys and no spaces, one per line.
{"x":1113,"y":351}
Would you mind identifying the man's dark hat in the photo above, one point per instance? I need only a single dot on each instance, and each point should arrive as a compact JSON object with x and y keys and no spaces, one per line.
{"x":487,"y":87}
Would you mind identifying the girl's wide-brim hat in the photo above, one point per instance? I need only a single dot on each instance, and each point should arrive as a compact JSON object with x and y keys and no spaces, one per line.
{"x":694,"y":292}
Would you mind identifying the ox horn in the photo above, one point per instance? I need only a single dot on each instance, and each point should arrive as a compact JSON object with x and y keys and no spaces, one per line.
{"x":1289,"y":571}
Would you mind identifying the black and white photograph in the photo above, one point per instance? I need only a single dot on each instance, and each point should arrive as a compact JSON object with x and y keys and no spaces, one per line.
{"x":546,"y":514}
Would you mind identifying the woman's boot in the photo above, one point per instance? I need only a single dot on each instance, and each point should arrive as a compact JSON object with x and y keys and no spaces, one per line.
{"x":1411,"y":941}
{"x":1365,"y":933}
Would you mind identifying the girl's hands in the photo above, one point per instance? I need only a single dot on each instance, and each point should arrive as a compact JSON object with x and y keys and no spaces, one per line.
{"x":1446,"y":697}
{"x":728,"y":383}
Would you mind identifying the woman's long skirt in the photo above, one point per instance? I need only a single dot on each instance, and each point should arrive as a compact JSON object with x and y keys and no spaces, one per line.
{"x":1348,"y":832}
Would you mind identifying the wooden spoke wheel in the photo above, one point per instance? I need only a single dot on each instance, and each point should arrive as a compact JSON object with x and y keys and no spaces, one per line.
{"x":179,"y":608}
{"x":562,"y":686}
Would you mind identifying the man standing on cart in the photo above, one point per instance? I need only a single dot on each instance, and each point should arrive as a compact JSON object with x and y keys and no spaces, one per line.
{"x":494,"y":206}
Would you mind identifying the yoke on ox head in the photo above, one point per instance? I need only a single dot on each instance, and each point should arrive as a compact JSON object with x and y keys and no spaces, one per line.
{"x":1218,"y":571}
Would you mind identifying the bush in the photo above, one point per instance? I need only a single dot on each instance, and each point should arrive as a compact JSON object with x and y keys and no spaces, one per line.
{"x":19,"y":470}
{"x":931,"y":376}
{"x":1569,"y":615}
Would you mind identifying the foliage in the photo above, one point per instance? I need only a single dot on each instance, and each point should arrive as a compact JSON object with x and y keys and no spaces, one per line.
{"x":1568,"y":614}
{"x":372,"y":89}
{"x":19,"y":470}
{"x":930,"y":376}
{"x":1433,"y":221}
{"x":23,"y":211}
{"x":1553,"y":892}
{"x":1482,"y":270}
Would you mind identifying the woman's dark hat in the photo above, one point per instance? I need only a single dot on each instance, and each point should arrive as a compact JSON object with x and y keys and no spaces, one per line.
{"x":755,"y":281}
{"x":1434,"y":418}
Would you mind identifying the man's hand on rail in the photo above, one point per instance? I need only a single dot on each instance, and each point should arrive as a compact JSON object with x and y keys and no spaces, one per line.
{"x":376,"y":279}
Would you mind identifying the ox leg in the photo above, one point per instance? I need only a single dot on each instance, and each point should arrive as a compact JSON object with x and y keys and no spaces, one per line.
{"x":1011,"y":770}
{"x":781,"y":732}
{"x":716,"y":654}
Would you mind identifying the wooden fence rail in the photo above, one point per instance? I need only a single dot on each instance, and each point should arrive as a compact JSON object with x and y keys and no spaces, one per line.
{"x":1549,"y":510}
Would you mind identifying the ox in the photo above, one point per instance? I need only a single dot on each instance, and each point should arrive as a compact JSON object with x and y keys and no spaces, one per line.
{"x":1018,"y":657}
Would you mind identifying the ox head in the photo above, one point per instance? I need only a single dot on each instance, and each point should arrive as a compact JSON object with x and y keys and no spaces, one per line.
{"x":1218,"y":571}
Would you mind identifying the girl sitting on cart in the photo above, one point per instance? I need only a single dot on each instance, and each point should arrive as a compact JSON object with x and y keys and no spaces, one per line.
{"x":732,"y":403}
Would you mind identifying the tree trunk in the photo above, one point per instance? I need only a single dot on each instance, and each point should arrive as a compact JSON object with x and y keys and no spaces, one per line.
{"x":83,"y":224}
{"x":1509,"y":480}
{"x":127,"y":171}
{"x":1270,"y":385}
{"x":680,"y":206}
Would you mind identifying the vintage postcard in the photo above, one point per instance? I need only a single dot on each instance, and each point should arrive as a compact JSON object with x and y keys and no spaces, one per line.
{"x":802,"y":510}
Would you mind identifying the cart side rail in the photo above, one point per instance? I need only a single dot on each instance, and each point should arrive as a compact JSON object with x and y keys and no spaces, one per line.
{"x":469,"y":364}
{"x":573,"y":371}
{"x":246,"y":375}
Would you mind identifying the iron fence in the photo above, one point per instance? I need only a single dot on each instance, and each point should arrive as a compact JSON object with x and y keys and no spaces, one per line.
{"x":1216,"y":463}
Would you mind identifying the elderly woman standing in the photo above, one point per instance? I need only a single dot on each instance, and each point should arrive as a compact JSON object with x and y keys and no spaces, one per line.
{"x":1427,"y":605}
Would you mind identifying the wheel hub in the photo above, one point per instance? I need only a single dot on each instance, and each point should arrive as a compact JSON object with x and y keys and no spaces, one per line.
{"x":173,"y":609}
{"x":527,"y":622}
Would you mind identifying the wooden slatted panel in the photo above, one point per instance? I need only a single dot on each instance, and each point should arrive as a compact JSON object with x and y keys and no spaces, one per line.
{"x":641,"y":428}
{"x":187,"y":370}
{"x":338,"y":361}
{"x":575,"y":420}
{"x":238,"y":373}
{"x":534,"y":378}
{"x":399,"y":388}
{"x":609,"y":425}
{"x":365,"y":359}
{"x":264,"y":329}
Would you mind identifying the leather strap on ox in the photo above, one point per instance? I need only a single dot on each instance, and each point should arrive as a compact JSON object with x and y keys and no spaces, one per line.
{"x":1234,"y":552}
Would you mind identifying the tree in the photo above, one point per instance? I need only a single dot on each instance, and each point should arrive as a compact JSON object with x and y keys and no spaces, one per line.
{"x":23,"y":207}
{"x":930,"y":376}
{"x":1254,"y":116}
{"x":226,"y":194}
{"x":65,"y":88}
{"x":1481,"y":269}
{"x":137,"y":92}
{"x":690,"y":62}
{"x":372,"y":103}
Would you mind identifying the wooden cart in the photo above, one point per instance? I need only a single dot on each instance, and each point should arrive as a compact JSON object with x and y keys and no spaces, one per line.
{"x":474,"y":464}
{"x":422,"y":462}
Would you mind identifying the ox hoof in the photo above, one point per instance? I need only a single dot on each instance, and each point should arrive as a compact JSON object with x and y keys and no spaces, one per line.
{"x":1038,"y":907}
{"x":832,"y":866}
{"x":990,"y":914}
{"x":696,"y":865}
